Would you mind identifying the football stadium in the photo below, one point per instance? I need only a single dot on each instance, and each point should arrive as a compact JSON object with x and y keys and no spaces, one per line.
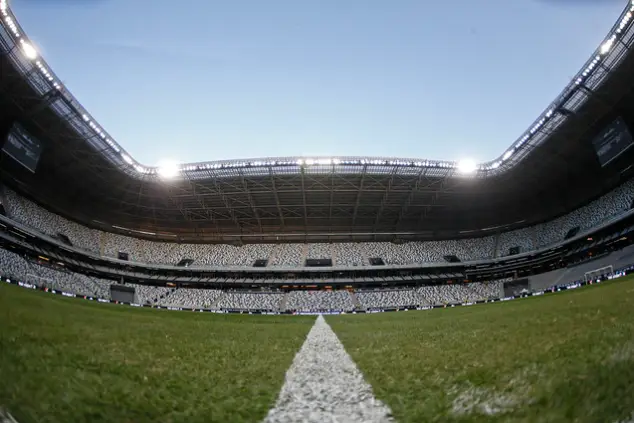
{"x":317,"y":289}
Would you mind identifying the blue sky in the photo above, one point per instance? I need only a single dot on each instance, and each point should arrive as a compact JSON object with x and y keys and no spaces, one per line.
{"x":199,"y":80}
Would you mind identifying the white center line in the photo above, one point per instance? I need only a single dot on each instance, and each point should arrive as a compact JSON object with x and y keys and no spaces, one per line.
{"x":323,"y":385}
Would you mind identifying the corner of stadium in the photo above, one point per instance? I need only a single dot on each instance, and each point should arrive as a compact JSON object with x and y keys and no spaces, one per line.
{"x":135,"y":247}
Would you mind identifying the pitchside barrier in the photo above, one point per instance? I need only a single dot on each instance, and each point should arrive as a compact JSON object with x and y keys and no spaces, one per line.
{"x":619,"y":273}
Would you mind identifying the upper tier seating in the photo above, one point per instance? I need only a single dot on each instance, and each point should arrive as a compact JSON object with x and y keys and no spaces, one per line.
{"x":344,"y":254}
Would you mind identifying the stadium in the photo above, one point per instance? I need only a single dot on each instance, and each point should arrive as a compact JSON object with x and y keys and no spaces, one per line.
{"x":319,"y":289}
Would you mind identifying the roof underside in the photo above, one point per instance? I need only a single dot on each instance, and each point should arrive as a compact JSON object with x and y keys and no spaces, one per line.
{"x":322,"y":203}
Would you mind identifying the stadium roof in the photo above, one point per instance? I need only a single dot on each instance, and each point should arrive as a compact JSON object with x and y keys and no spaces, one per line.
{"x":84,"y":174}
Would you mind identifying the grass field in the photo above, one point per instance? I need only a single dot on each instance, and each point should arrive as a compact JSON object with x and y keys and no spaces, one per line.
{"x":68,"y":360}
{"x":566,"y":357}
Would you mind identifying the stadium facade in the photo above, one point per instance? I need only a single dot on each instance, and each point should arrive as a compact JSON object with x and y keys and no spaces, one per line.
{"x":558,"y":195}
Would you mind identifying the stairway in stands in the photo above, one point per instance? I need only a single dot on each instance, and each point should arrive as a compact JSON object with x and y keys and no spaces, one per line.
{"x":366,"y":259}
{"x":272,"y":256}
{"x":333,"y":255}
{"x":355,"y":300}
{"x":304,"y":254}
{"x":282,"y":306}
{"x":214,"y":305}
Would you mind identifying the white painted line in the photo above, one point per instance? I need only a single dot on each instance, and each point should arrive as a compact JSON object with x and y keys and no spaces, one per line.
{"x":6,"y":417}
{"x":323,"y":385}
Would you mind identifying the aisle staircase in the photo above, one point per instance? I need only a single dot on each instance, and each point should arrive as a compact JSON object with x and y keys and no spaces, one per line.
{"x":304,"y":254}
{"x":272,"y":256}
{"x":333,"y":255}
{"x":355,"y":300}
{"x":282,"y":306}
{"x":214,"y":305}
{"x":366,"y":259}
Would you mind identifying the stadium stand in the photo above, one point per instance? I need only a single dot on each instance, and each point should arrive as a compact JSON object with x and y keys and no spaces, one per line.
{"x":239,"y":300}
{"x":349,"y":254}
{"x":605,"y":208}
{"x":48,"y":276}
{"x":610,"y":206}
{"x":462,"y":293}
{"x":376,"y":299}
{"x":54,"y":278}
{"x":192,"y":298}
{"x":315,"y":301}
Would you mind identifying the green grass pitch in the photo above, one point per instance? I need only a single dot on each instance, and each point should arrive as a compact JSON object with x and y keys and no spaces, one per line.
{"x":69,"y":360}
{"x":566,"y":357}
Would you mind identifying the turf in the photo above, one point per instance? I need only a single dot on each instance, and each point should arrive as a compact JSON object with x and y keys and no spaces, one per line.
{"x":68,"y":360}
{"x":566,"y":357}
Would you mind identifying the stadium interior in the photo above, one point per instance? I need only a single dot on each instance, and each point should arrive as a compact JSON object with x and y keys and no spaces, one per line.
{"x":300,"y":235}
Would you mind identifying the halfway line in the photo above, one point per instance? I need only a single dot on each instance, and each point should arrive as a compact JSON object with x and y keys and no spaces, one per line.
{"x":324,"y":385}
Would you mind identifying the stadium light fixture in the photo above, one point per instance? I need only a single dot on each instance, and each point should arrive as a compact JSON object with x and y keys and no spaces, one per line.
{"x":467,"y":166}
{"x":29,"y":51}
{"x":605,"y":47}
{"x":127,"y":159}
{"x":168,"y":169}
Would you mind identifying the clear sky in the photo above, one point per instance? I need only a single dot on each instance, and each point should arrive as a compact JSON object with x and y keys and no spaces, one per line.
{"x":196,"y":80}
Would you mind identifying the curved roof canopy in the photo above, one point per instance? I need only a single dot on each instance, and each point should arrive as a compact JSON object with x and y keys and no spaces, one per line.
{"x":24,"y":55}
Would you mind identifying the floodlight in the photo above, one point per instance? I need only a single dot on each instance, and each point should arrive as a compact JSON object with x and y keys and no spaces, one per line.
{"x":467,"y":166}
{"x":168,"y":170}
{"x":29,"y":51}
{"x":606,"y":46}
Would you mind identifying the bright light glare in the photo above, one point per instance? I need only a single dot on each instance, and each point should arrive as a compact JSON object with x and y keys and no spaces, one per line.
{"x":168,"y":169}
{"x":29,"y":51}
{"x":467,"y":166}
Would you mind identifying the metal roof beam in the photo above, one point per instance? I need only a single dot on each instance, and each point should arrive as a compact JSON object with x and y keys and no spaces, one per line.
{"x":356,"y":205}
{"x":434,"y":200}
{"x":277,"y":197}
{"x":227,"y":204}
{"x":386,"y":194}
{"x":332,"y":194}
{"x":304,"y":199}
{"x":251,"y":202}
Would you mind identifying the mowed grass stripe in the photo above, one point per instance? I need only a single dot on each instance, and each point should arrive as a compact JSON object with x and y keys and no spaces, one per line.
{"x":566,"y":357}
{"x":68,"y":360}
